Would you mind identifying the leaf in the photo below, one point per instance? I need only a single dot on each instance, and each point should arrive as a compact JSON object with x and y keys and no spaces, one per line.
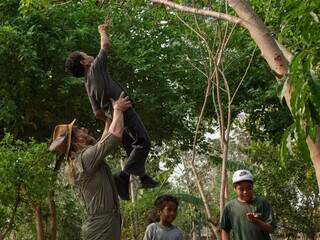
{"x":282,"y":87}
{"x":314,"y":84}
{"x":285,"y":145}
{"x":188,"y":198}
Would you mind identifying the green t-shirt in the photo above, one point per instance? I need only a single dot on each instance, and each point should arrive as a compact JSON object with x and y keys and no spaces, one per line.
{"x":234,"y":218}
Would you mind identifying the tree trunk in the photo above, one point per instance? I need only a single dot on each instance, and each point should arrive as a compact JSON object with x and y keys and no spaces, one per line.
{"x":11,"y":221}
{"x":214,"y":228}
{"x":38,"y":220}
{"x":52,"y":217}
{"x":134,"y":196}
{"x":314,"y":149}
{"x":223,"y":177}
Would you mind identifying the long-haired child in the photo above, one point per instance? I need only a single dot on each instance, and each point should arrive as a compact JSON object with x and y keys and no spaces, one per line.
{"x":160,"y":227}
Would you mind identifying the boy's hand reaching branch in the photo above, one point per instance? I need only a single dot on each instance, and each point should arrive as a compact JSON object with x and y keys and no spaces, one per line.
{"x":102,"y":28}
{"x":104,"y":41}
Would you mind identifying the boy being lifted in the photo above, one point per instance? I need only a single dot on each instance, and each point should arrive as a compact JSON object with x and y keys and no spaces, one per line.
{"x":100,"y":89}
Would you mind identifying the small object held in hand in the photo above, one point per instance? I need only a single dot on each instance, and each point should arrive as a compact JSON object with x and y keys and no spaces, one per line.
{"x":253,"y":217}
{"x":257,"y":215}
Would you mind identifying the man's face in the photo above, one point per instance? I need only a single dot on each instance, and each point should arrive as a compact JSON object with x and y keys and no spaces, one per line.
{"x":84,"y":132}
{"x":244,"y":190}
{"x":87,"y":60}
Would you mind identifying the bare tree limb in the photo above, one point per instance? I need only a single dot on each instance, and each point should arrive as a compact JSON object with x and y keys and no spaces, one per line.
{"x":244,"y":75}
{"x":249,"y":20}
{"x":203,"y":12}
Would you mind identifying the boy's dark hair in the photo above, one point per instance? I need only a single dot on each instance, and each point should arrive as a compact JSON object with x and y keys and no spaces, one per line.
{"x":73,"y":64}
{"x":160,"y":204}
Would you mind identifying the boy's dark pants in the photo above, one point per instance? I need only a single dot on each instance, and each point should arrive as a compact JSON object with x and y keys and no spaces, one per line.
{"x":136,"y":143}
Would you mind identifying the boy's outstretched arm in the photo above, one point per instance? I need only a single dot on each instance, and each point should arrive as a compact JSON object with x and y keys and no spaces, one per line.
{"x":104,"y":40}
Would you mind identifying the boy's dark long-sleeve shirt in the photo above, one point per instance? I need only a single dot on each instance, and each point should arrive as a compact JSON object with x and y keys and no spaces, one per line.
{"x":99,"y":85}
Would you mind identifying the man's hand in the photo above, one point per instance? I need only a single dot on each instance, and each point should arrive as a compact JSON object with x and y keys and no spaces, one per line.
{"x":101,"y":115}
{"x":119,"y":106}
{"x":122,"y":104}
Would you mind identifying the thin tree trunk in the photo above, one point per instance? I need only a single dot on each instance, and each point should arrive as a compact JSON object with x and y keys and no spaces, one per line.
{"x":52,"y":217}
{"x":223,"y":178}
{"x":194,"y":233}
{"x":38,"y":220}
{"x":214,"y":228}
{"x":11,"y":221}
{"x":134,"y":197}
{"x":314,"y":148}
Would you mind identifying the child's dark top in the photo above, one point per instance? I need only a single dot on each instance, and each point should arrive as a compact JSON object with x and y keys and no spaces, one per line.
{"x":99,"y":85}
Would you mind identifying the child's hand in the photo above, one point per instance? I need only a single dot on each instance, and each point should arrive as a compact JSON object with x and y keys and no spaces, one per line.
{"x":122,"y":104}
{"x":253,"y":217}
{"x":102,"y":27}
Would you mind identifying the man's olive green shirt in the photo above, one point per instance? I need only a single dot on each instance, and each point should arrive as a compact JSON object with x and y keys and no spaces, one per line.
{"x":95,"y":185}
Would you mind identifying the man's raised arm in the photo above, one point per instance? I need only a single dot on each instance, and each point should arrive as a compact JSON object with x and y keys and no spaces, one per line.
{"x":116,"y":127}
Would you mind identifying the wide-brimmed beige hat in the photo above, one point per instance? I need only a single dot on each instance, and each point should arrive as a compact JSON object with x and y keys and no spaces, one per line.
{"x":61,"y":139}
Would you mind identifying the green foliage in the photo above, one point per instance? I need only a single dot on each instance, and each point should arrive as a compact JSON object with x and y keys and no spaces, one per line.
{"x":35,"y":37}
{"x":26,"y":175}
{"x":70,"y":213}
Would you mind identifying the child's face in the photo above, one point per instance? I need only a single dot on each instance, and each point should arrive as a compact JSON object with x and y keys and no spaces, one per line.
{"x":168,"y":213}
{"x":244,"y":191}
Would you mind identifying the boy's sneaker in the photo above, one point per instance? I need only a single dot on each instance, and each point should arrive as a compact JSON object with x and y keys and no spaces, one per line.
{"x":122,"y":183}
{"x":147,"y":182}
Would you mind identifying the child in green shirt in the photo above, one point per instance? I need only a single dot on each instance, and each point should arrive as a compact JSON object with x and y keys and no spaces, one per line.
{"x":248,"y":216}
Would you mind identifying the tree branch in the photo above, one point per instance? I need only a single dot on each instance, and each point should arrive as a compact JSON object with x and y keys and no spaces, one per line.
{"x":202,"y":12}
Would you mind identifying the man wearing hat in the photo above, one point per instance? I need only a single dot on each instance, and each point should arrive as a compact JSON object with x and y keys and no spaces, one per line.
{"x":90,"y":174}
{"x":248,"y":216}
